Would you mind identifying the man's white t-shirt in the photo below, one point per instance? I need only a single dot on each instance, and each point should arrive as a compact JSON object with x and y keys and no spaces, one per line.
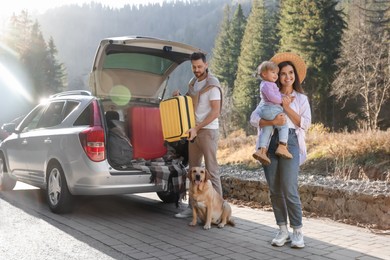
{"x":204,"y":108}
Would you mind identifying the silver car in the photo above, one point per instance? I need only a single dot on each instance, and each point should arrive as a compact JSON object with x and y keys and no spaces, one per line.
{"x":61,"y":146}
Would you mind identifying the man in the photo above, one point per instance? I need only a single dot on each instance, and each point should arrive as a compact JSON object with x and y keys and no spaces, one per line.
{"x":206,"y":95}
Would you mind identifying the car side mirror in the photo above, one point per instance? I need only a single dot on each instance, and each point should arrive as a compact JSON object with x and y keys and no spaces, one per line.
{"x":9,"y":127}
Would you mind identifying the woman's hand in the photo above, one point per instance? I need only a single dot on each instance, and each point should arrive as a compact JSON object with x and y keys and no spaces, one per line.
{"x":286,"y":101}
{"x":279,"y":120}
{"x":292,"y":115}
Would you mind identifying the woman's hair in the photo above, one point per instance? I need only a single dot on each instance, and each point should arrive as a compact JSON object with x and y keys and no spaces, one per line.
{"x":297,"y":83}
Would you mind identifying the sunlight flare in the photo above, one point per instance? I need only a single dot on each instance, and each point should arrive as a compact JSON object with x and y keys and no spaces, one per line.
{"x":11,"y":82}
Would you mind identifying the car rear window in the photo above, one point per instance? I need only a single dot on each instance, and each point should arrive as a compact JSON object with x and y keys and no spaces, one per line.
{"x":70,"y":106}
{"x":138,"y":62}
{"x":85,"y":116}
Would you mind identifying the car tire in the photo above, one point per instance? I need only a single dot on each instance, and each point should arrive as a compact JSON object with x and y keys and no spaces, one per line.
{"x":58,"y":197}
{"x":6,"y":182}
{"x":167,"y":196}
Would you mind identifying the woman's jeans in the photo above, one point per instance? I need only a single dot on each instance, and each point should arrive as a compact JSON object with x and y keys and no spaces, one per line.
{"x":269,"y":112}
{"x":282,"y":178}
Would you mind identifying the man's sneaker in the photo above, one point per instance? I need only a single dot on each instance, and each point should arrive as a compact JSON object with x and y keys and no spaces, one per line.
{"x":297,"y":240}
{"x":185,"y":213}
{"x":281,"y":238}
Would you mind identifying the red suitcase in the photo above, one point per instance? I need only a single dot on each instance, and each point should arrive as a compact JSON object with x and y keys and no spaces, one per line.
{"x":145,"y":132}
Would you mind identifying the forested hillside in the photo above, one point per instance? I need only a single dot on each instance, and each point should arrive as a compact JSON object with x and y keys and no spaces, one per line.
{"x":78,"y":29}
{"x":344,"y":43}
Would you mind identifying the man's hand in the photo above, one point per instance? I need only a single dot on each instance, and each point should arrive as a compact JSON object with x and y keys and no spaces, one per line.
{"x":192,"y":134}
{"x":279,"y":120}
{"x":176,"y":93}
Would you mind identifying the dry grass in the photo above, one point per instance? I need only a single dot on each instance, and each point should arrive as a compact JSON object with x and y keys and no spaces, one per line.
{"x":237,"y":148}
{"x":322,"y":144}
{"x":356,"y":155}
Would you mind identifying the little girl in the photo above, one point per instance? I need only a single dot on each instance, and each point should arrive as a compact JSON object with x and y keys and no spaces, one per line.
{"x":269,"y":107}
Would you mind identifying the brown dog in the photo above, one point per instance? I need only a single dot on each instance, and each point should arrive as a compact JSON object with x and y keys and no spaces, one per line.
{"x":207,"y":203}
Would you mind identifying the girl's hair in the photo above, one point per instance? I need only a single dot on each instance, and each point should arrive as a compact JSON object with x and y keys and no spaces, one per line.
{"x":266,"y":65}
{"x":297,"y":83}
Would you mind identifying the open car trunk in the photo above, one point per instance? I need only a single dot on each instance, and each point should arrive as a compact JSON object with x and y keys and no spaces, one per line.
{"x":128,"y":75}
{"x":135,"y":67}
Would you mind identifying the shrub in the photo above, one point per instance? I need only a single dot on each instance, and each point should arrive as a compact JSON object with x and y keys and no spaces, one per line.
{"x":356,"y":155}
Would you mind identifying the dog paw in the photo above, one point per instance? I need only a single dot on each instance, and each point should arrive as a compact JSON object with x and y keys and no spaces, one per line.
{"x":221,"y":225}
{"x":192,"y":223}
{"x":207,"y":226}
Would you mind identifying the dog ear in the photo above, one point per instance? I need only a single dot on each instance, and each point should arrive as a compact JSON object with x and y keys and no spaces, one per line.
{"x":189,"y":174}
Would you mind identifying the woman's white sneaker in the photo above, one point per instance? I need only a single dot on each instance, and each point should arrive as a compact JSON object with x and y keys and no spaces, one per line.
{"x":282,"y":237}
{"x":297,"y":240}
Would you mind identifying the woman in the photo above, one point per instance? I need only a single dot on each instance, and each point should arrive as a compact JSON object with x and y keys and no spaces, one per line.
{"x":282,"y":173}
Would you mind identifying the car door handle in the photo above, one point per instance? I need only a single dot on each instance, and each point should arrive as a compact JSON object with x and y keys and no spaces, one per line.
{"x":24,"y":142}
{"x":47,"y":141}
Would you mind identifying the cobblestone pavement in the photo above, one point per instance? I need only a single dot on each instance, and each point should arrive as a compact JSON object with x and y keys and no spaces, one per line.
{"x":142,"y":227}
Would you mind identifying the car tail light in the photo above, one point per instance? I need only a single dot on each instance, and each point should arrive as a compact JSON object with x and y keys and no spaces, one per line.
{"x":92,"y":140}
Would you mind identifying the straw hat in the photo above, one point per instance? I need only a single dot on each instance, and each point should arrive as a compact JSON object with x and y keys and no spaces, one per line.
{"x":298,"y":62}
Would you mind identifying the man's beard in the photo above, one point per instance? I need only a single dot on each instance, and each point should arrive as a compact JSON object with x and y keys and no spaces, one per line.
{"x":199,"y":75}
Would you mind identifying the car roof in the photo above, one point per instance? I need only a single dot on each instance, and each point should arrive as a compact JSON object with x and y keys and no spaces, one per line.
{"x":73,"y":94}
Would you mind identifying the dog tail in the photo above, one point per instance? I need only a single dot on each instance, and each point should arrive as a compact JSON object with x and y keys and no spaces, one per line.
{"x":230,"y":220}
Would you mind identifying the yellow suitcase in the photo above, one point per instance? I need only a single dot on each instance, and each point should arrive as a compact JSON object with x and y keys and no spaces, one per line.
{"x":177,"y":116}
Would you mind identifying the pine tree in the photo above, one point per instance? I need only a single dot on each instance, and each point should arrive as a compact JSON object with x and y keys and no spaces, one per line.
{"x":224,"y":61}
{"x":18,"y":33}
{"x":39,"y":58}
{"x":36,"y":60}
{"x":219,"y":62}
{"x":255,"y":47}
{"x":235,"y":35}
{"x":56,"y":75}
{"x":313,"y":30}
{"x":227,"y":47}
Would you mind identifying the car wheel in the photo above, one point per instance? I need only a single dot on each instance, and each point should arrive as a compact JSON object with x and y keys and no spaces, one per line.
{"x":6,"y":182}
{"x":57,"y":193}
{"x":167,"y":196}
